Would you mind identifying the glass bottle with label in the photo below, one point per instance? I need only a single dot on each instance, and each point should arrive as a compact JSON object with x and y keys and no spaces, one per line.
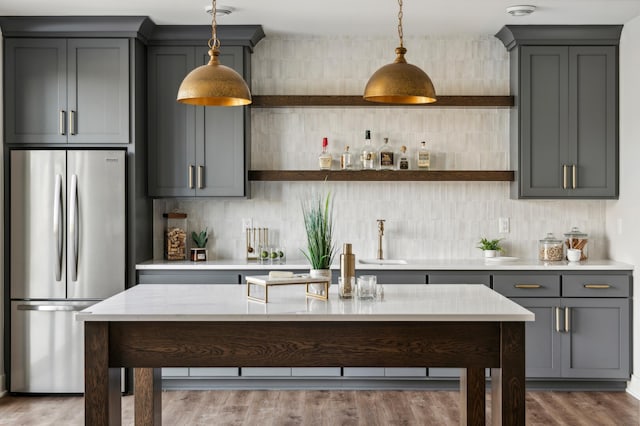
{"x":403,"y":159}
{"x":324,"y":160}
{"x":386,"y":156}
{"x":368,"y":157}
{"x":346,"y":162}
{"x":424,"y":157}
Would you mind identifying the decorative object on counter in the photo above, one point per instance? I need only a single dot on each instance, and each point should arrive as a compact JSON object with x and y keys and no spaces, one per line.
{"x":575,"y":239}
{"x":574,"y":255}
{"x":550,"y":249}
{"x":386,"y":156}
{"x":424,"y":157}
{"x":256,"y":239}
{"x":380,"y":255}
{"x":175,"y":236}
{"x":325,"y":159}
{"x":347,"y":272}
{"x":367,"y":286}
{"x":346,"y":159}
{"x":266,"y":281}
{"x":491,"y":248}
{"x":368,"y":155}
{"x":403,"y":159}
{"x":213,"y":83}
{"x":318,"y":222}
{"x":400,"y":82}
{"x":199,"y":252}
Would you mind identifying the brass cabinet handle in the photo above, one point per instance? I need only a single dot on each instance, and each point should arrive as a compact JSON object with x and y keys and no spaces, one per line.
{"x":597,"y":286}
{"x":564,"y":177}
{"x":200,"y":171}
{"x":567,"y":315}
{"x":63,"y":120}
{"x":527,"y":285}
{"x":574,"y":176}
{"x":191,"y":176}
{"x":72,"y":122}
{"x":557,"y":309}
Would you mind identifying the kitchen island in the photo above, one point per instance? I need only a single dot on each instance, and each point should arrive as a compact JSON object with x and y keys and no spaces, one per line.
{"x":152,"y":326}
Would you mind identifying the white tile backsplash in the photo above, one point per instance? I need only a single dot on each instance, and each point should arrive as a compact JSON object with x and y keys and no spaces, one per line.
{"x":435,"y":220}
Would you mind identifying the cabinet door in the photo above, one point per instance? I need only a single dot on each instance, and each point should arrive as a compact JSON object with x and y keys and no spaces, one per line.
{"x":98,"y":96}
{"x":544,"y":121}
{"x":596,"y":344}
{"x":221,"y":168}
{"x":171,"y":124}
{"x":35,"y":84}
{"x":593,"y":130}
{"x":542,"y":338}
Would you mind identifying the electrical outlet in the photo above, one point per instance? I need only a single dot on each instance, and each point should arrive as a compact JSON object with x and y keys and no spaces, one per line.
{"x":503,"y":225}
{"x":247,"y":223}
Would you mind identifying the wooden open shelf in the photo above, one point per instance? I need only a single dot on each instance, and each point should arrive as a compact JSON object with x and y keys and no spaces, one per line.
{"x":277,"y":101}
{"x":382,"y":175}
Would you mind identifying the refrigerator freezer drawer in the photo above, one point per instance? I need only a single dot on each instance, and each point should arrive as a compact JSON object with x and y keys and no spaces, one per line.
{"x":47,"y":347}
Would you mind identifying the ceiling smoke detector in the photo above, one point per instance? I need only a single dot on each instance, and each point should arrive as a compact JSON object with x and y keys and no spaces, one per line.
{"x":521,"y":10}
{"x":220,"y":11}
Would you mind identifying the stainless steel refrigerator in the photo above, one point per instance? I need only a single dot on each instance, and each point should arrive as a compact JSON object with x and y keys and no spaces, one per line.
{"x":67,"y":227}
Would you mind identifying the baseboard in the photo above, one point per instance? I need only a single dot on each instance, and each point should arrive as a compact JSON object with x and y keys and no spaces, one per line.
{"x":633,"y":387}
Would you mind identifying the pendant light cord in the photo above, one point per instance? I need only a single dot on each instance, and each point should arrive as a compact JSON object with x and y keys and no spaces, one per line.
{"x":400,"y":34}
{"x":214,"y":43}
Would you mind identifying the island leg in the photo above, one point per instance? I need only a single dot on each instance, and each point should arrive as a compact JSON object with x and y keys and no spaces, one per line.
{"x":102,"y":394}
{"x":148,"y":396}
{"x":508,"y":382}
{"x":472,"y":397}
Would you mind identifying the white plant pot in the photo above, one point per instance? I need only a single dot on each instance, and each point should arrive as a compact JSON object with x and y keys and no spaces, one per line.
{"x":319,"y":273}
{"x":490,"y":253}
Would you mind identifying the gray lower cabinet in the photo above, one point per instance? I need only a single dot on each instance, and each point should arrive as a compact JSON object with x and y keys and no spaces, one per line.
{"x":188,"y":277}
{"x":67,"y":90}
{"x":194,"y":150}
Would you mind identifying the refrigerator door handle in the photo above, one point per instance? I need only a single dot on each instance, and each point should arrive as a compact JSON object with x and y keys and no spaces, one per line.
{"x":57,"y":225}
{"x":52,"y":308}
{"x":73,"y":226}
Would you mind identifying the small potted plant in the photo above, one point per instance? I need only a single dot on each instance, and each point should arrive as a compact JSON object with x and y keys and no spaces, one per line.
{"x":318,"y":222}
{"x":491,"y":248}
{"x":199,"y":252}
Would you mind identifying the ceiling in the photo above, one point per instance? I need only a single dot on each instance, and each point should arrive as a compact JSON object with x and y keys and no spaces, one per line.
{"x":346,"y":17}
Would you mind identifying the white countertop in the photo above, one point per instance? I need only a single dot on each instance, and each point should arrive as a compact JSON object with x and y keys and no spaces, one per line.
{"x":227,"y":302}
{"x":412,"y":265}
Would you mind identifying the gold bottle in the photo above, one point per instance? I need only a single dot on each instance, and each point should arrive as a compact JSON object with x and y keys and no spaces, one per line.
{"x":347,"y":272}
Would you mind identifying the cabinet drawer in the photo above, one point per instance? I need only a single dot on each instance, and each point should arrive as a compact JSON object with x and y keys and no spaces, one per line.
{"x":214,"y":372}
{"x":527,"y":285}
{"x":596,"y":286}
{"x":460,"y":278}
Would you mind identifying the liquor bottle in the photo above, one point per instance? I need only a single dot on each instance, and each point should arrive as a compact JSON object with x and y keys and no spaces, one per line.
{"x":368,"y":157}
{"x":424,"y":157}
{"x":403,"y":159}
{"x":324,"y":159}
{"x":386,"y":156}
{"x":345,"y":159}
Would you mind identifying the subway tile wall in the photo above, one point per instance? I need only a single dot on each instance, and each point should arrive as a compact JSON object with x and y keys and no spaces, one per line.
{"x":434,"y":220}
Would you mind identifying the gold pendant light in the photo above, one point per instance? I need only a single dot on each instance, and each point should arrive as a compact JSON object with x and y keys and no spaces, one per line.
{"x":400,"y":82}
{"x":214,"y":84}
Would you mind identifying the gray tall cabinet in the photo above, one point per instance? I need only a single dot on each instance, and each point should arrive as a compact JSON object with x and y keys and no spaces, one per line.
{"x":564,"y":126}
{"x":194,"y":150}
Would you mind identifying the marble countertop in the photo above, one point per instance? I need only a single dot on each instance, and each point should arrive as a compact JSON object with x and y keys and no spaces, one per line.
{"x":411,"y":265}
{"x":227,"y":302}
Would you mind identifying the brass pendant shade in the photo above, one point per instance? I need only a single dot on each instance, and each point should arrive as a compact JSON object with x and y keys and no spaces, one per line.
{"x":400,"y":83}
{"x":214,"y":84}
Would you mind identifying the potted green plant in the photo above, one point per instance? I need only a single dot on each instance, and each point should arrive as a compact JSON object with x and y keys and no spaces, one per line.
{"x":199,"y":252}
{"x":491,"y":248}
{"x":317,"y":213}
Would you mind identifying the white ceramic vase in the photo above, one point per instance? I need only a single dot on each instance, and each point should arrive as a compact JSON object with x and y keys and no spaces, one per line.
{"x":490,"y":253}
{"x":319,"y":273}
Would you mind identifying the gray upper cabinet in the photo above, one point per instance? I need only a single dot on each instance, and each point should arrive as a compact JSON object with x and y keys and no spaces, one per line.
{"x":194,"y":150}
{"x":564,"y":126}
{"x":67,"y":91}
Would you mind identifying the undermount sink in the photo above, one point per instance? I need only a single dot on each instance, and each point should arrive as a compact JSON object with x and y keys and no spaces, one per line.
{"x":383,"y":261}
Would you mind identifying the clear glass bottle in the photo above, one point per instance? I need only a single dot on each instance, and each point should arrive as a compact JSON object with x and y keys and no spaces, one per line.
{"x":424,"y":157}
{"x":386,"y":156}
{"x":324,"y":159}
{"x":346,"y":162}
{"x":403,"y":159}
{"x":368,"y":157}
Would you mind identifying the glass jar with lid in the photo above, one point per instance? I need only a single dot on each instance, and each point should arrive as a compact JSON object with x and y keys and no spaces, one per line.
{"x":175,"y":236}
{"x":576,"y":239}
{"x":550,"y":248}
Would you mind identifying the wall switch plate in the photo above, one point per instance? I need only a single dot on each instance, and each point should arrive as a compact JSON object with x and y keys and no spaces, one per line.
{"x":247,"y":223}
{"x":503,"y":225}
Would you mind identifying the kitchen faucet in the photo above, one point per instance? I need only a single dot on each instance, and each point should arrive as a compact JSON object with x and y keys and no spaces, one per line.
{"x":380,"y":234}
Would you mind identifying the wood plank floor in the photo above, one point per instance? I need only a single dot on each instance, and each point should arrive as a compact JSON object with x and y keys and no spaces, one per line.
{"x":289,"y":408}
